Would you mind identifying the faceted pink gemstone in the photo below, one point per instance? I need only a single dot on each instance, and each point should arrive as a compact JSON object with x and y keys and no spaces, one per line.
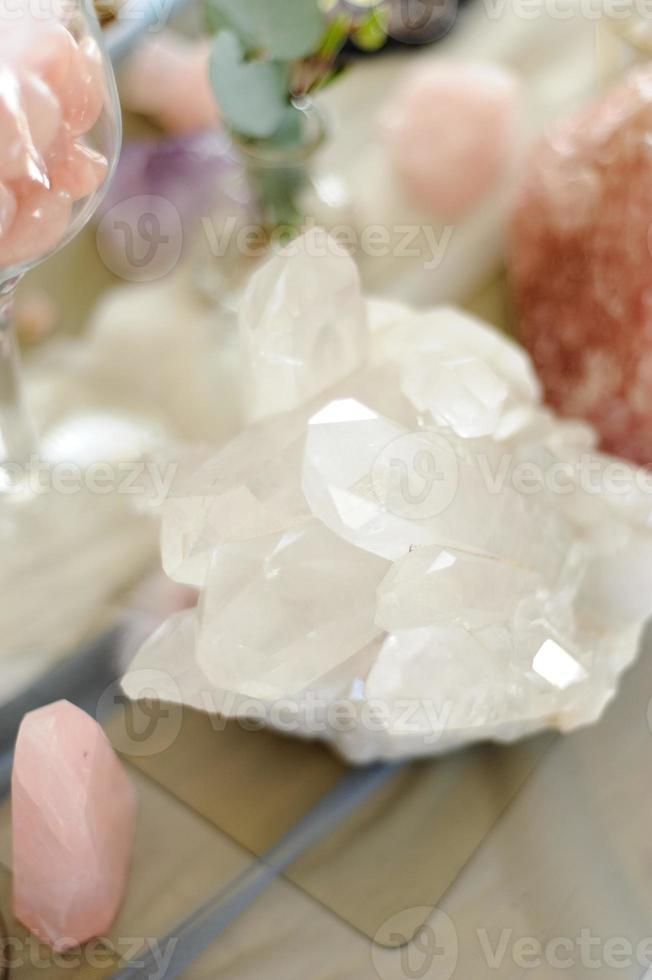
{"x":451,"y":131}
{"x":73,"y":813}
{"x":581,"y":265}
{"x":79,"y":171}
{"x":166,"y":78}
{"x":40,"y":223}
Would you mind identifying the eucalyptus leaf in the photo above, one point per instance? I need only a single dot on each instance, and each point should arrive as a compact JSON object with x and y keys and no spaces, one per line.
{"x":253,"y":95}
{"x":214,"y":19}
{"x":283,"y":29}
{"x":290,"y":131}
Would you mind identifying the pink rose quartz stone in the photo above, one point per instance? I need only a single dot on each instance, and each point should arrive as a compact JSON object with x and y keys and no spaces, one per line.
{"x":51,"y":94}
{"x":73,"y":813}
{"x":581,"y":265}
{"x":451,"y":134}
{"x":166,"y":78}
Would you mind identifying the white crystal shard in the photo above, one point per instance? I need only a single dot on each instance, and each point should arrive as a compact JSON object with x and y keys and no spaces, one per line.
{"x":280,"y":611}
{"x":249,"y":488}
{"x":459,"y":391}
{"x":435,"y":585}
{"x":389,"y":490}
{"x":419,"y":544}
{"x":303,"y":324}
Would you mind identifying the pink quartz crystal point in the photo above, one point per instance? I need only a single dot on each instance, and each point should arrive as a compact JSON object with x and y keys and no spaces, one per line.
{"x":581,"y":265}
{"x":73,"y":814}
{"x":451,"y":133}
{"x":166,"y":78}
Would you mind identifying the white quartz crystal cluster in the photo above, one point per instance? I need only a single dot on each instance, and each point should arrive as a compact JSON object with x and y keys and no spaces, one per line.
{"x":405,"y":551}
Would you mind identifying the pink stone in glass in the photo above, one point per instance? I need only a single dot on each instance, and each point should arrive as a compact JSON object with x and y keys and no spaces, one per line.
{"x":43,"y":47}
{"x":18,"y":155}
{"x":82,"y":94}
{"x":581,"y":265}
{"x":40,"y":223}
{"x":7,"y":208}
{"x":79,"y":171}
{"x":42,"y":111}
{"x":73,"y":813}
{"x":450,"y":130}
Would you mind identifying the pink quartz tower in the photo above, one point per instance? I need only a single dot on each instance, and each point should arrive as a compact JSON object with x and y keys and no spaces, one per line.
{"x":73,"y":813}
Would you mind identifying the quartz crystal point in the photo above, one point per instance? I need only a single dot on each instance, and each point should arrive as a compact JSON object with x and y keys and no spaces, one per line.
{"x":581,"y":265}
{"x":303,"y":324}
{"x":73,"y":813}
{"x":418,"y":544}
{"x":280,"y":610}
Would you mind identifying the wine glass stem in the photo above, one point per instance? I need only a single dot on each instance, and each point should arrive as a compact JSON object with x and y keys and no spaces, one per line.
{"x":17,"y":434}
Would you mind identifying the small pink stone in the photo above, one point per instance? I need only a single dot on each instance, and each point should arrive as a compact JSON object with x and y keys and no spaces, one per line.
{"x":167,"y":79}
{"x":451,"y":133}
{"x":40,"y":223}
{"x":42,"y":111}
{"x":8,"y":209}
{"x":73,"y":815}
{"x":581,"y":265}
{"x":43,"y":47}
{"x":79,"y":172}
{"x":18,"y":155}
{"x":83,"y":93}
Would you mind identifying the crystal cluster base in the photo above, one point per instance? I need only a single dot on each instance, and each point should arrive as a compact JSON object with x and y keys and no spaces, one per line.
{"x":418,"y":556}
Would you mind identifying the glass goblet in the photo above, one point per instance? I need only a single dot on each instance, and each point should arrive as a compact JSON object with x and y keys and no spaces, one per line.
{"x":60,"y":132}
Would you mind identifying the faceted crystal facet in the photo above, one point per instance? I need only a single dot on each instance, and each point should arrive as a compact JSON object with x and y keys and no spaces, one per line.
{"x":249,"y":488}
{"x":303,"y":324}
{"x":422,"y":540}
{"x":73,"y":816}
{"x":389,"y":490}
{"x":435,"y":585}
{"x":281,"y":611}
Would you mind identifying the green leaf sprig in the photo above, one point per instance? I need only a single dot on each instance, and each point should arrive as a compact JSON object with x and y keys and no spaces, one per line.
{"x":267,"y":53}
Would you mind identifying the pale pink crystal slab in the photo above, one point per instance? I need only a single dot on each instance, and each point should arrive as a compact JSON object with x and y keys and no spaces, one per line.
{"x":73,"y":813}
{"x":581,"y":265}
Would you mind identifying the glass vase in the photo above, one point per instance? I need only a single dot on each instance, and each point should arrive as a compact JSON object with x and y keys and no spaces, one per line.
{"x":276,"y":190}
